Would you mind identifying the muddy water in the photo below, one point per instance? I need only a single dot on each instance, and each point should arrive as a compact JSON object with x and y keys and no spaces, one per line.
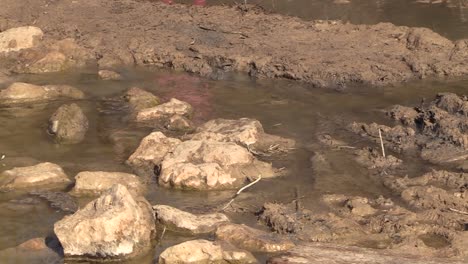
{"x":448,"y":19}
{"x":284,"y":108}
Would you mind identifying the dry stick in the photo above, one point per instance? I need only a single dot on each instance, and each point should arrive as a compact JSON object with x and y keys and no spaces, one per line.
{"x":381,"y":143}
{"x":241,"y":190}
{"x":162,"y":235}
{"x":458,"y":211}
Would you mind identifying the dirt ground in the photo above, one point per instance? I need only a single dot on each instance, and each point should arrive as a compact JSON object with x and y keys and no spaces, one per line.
{"x":213,"y":40}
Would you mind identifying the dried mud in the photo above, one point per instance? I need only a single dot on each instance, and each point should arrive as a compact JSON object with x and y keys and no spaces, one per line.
{"x":214,"y":40}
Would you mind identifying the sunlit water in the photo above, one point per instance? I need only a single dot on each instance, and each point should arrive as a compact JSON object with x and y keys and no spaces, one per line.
{"x":284,"y":108}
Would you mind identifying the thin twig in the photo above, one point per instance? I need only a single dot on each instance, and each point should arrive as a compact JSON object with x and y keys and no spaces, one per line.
{"x":381,"y":143}
{"x":458,"y":211}
{"x":241,"y":190}
{"x":162,"y":235}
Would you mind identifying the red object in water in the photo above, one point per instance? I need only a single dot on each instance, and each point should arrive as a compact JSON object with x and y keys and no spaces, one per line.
{"x":169,"y":2}
{"x":199,"y":2}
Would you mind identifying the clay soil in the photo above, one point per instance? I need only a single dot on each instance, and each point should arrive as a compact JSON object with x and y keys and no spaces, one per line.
{"x":213,"y":40}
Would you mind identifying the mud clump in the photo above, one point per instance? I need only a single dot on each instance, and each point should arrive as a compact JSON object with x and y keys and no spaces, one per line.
{"x":438,"y":130}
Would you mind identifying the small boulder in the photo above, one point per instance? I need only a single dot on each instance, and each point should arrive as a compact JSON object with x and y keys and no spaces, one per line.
{"x":209,"y":165}
{"x":36,"y":250}
{"x":53,"y":61}
{"x":42,"y":174}
{"x":19,"y":93}
{"x":149,"y":155}
{"x":185,"y":222}
{"x":96,"y":182}
{"x":165,"y":111}
{"x":139,"y":99}
{"x":116,"y":225}
{"x":252,"y":239}
{"x":244,"y":131}
{"x":203,"y":251}
{"x":19,"y":38}
{"x":179,"y":123}
{"x":109,"y":75}
{"x":68,"y":124}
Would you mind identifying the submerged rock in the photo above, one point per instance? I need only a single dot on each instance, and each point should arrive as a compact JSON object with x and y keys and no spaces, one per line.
{"x":147,"y":159}
{"x":115,"y":225}
{"x":208,"y":165}
{"x":252,"y":239}
{"x":96,"y":182}
{"x":245,"y":131}
{"x":19,"y":93}
{"x":109,"y":75}
{"x":68,"y":124}
{"x":19,"y":38}
{"x":181,"y":221}
{"x":165,"y":111}
{"x":203,"y":251}
{"x":35,"y":250}
{"x":58,"y":200}
{"x":139,"y":99}
{"x":39,"y":176}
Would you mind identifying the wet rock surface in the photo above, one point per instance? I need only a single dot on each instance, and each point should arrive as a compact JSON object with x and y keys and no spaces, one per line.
{"x":245,"y":132}
{"x":204,"y":251}
{"x":97,"y":182}
{"x":147,"y":159}
{"x":139,"y":99}
{"x":68,"y":125}
{"x":115,"y":225}
{"x":58,"y":200}
{"x":43,"y":175}
{"x":252,"y":239}
{"x":34,"y":250}
{"x":165,"y":111}
{"x":20,"y":93}
{"x":186,"y":222}
{"x":209,"y":165}
{"x":109,"y":75}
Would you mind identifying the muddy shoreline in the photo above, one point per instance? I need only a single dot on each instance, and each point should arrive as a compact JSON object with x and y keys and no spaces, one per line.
{"x":214,"y":40}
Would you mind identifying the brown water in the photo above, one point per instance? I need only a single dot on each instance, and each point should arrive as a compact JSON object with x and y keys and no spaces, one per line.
{"x":284,"y":108}
{"x":448,"y":18}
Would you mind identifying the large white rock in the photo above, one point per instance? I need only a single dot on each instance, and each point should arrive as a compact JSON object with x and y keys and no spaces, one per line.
{"x":244,"y":131}
{"x":151,"y":152}
{"x":19,"y":38}
{"x":115,"y":225}
{"x":18,"y":93}
{"x":181,"y":221}
{"x":204,"y":252}
{"x":166,"y":110}
{"x":39,"y":175}
{"x":96,"y":182}
{"x":196,"y":164}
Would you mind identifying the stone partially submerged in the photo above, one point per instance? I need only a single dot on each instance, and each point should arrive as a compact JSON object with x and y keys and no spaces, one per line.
{"x":252,"y":239}
{"x":68,"y":124}
{"x":185,"y":222}
{"x":114,"y":226}
{"x":245,"y":132}
{"x":203,"y":251}
{"x":209,"y":165}
{"x":97,"y":182}
{"x":43,"y":176}
{"x":147,"y":159}
{"x":165,"y":111}
{"x":20,"y":93}
{"x":139,"y":99}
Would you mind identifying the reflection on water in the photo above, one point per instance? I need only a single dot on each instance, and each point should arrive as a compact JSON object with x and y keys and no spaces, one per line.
{"x":447,"y":17}
{"x":284,"y":108}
